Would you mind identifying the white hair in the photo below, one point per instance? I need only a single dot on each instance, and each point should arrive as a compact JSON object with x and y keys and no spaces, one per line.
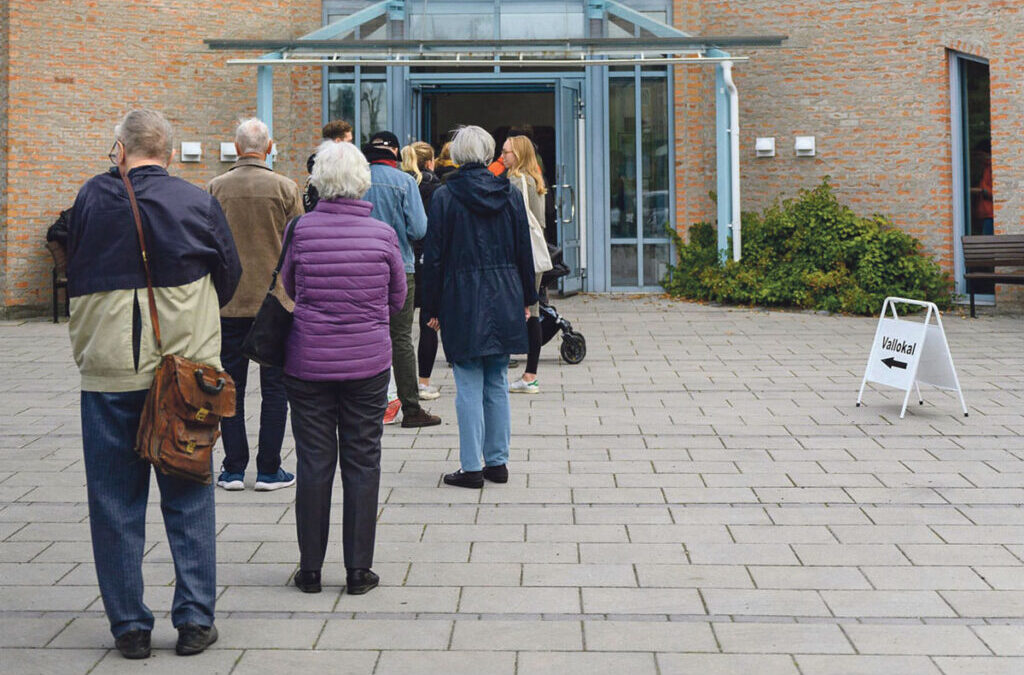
{"x":340,"y":170}
{"x":472,"y":144}
{"x":145,"y":133}
{"x":252,"y":136}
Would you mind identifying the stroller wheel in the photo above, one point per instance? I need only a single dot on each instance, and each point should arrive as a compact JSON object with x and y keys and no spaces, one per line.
{"x":574,"y":347}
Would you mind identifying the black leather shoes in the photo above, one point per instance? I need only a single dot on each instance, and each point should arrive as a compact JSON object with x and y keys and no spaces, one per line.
{"x":466,"y":479}
{"x":135,"y":644}
{"x":496,"y":474}
{"x":359,"y":581}
{"x":308,"y":581}
{"x":193,"y":638}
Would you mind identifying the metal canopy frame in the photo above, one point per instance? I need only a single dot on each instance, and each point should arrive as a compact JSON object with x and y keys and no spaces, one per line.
{"x":338,"y":44}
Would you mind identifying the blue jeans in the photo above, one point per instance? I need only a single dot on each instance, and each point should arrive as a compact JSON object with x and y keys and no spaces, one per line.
{"x":273,"y":410}
{"x":482,"y":407}
{"x":118,"y":487}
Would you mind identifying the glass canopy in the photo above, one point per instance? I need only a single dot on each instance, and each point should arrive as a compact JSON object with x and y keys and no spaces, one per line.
{"x":500,"y":19}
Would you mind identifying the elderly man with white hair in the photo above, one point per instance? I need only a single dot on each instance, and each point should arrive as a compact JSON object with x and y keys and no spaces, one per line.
{"x":258,"y":204}
{"x":194,"y":270}
{"x":345,"y":271}
{"x":478,"y":284}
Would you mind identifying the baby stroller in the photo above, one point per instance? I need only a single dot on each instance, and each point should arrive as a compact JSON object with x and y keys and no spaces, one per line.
{"x":574,"y":345}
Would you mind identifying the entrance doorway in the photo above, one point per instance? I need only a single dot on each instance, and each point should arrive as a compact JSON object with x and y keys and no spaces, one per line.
{"x":550,"y":112}
{"x":527,"y":112}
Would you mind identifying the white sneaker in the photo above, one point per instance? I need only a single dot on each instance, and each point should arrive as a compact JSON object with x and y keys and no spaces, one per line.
{"x":523,"y":387}
{"x":231,"y":481}
{"x":429,"y":393}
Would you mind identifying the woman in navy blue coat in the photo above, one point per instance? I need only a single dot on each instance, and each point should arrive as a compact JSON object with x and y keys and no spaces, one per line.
{"x":478,"y":284}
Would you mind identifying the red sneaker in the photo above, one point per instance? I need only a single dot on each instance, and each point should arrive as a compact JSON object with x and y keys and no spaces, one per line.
{"x":391,"y":414}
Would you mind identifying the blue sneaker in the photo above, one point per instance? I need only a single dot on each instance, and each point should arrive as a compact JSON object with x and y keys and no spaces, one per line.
{"x":274,"y":481}
{"x":231,"y":481}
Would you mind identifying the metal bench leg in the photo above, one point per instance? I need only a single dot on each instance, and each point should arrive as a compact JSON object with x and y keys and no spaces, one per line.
{"x":972,"y":307}
{"x":54,"y":276}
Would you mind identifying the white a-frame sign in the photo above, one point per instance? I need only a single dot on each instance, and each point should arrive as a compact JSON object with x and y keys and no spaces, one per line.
{"x":906,"y":354}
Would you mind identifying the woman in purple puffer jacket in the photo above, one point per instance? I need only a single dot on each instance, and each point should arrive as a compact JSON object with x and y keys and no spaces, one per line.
{"x":345,"y":272}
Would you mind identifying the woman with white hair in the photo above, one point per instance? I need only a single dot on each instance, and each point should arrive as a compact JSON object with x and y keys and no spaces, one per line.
{"x":346,"y":275}
{"x":478,"y":285}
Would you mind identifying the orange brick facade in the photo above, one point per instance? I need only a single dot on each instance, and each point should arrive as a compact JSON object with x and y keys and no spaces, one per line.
{"x":870,"y":81}
{"x":76,"y":67}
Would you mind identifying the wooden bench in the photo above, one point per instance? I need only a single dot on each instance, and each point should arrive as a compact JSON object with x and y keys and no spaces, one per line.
{"x":984,"y":253}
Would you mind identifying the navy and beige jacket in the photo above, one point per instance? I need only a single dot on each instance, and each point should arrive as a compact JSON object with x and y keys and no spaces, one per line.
{"x":194,"y":265}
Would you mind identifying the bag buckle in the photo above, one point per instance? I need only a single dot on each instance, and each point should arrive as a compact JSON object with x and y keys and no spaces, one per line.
{"x":201,"y":414}
{"x":190,"y":449}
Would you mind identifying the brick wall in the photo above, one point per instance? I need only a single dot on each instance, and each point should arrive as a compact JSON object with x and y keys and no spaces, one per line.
{"x":871,"y":82}
{"x":694,"y":124}
{"x":76,"y":68}
{"x":4,"y":135}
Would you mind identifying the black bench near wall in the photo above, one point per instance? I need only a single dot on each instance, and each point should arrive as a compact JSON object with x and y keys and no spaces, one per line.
{"x":983,"y":254}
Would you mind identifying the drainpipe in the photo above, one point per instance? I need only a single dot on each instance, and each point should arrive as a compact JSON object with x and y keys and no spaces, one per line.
{"x":734,"y":152}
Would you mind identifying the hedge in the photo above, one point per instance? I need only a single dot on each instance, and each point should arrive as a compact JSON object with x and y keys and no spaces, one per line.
{"x":809,"y":252}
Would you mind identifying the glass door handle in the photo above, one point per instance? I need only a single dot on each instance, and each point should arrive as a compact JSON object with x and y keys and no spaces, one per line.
{"x":572,"y":203}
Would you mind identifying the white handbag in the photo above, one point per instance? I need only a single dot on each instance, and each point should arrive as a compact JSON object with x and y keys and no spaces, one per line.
{"x":539,"y":244}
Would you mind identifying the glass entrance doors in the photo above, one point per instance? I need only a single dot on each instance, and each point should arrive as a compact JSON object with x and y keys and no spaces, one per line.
{"x":570,"y":181}
{"x":550,"y":112}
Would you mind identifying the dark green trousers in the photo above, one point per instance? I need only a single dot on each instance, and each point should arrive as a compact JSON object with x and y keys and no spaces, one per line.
{"x":403,"y":355}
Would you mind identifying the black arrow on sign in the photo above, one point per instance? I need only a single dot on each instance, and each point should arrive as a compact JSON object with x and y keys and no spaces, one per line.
{"x":893,"y":363}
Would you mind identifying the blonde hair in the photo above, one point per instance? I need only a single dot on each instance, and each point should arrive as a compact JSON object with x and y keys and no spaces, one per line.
{"x":526,"y":162}
{"x":445,"y":158}
{"x":415,"y":157}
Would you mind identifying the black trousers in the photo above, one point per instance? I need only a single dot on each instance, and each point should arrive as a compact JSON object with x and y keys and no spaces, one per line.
{"x":273,"y":410}
{"x":336,"y":422}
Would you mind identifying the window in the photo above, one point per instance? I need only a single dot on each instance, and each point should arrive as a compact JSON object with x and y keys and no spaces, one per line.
{"x":367,"y":112}
{"x":639,"y":148}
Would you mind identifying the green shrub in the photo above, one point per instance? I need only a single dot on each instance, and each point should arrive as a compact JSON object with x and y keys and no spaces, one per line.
{"x":810,"y":252}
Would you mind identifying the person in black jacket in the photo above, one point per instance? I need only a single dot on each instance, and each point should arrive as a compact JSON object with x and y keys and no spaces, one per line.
{"x":478,"y":285}
{"x":418,"y":162}
{"x":338,"y":131}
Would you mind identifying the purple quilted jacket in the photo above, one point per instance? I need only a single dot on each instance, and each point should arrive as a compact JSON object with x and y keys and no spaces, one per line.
{"x":346,"y":274}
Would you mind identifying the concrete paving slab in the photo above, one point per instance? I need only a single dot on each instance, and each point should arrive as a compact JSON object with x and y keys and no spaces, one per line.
{"x":696,"y":496}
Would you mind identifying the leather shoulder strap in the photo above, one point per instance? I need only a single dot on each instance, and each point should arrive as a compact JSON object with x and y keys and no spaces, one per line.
{"x":145,"y":261}
{"x":289,"y":232}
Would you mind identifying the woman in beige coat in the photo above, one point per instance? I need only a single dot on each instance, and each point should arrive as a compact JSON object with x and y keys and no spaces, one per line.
{"x":520,"y":157}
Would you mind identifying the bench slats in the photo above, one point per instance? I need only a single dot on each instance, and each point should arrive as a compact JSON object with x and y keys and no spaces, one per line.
{"x":991,"y":251}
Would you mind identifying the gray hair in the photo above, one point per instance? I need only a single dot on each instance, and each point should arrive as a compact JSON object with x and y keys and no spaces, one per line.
{"x":340,"y":170}
{"x":252,"y":136}
{"x":472,"y":144}
{"x":145,"y":133}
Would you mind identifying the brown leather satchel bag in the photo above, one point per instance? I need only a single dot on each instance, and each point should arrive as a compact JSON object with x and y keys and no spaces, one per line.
{"x":181,"y":419}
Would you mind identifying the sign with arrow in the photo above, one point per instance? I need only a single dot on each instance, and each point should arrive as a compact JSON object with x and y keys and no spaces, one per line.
{"x":906,"y":353}
{"x":895,"y":352}
{"x":893,"y":363}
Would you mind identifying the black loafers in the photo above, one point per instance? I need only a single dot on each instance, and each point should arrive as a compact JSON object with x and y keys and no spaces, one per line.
{"x":466,"y":479}
{"x":135,"y":644}
{"x":308,"y":581}
{"x":496,"y":474}
{"x":193,"y":638}
{"x":359,"y":581}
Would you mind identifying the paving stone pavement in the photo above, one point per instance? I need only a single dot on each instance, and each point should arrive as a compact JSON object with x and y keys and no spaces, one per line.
{"x":700,"y":495}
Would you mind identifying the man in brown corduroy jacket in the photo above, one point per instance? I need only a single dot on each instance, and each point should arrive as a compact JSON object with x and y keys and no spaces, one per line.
{"x":258,"y":204}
